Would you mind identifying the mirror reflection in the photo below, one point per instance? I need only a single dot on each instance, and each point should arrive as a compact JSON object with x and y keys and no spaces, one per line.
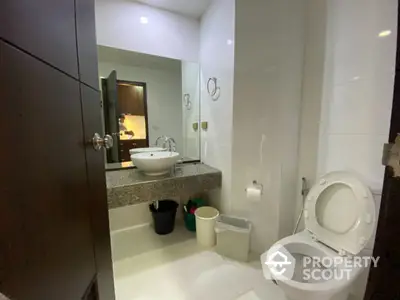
{"x":150,"y":103}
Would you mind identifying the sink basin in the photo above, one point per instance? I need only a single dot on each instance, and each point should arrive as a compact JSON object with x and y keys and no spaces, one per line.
{"x":149,"y":149}
{"x":155,"y":163}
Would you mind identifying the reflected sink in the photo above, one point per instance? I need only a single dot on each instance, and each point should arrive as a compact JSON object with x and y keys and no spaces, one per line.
{"x":149,"y":149}
{"x":155,"y":163}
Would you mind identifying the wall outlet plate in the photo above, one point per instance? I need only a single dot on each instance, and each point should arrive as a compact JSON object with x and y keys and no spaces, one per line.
{"x":204,"y":125}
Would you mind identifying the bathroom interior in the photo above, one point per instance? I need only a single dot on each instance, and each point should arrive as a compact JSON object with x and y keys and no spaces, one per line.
{"x":250,"y":104}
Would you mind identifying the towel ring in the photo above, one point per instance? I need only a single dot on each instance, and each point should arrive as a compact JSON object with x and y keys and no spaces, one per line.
{"x":213,"y":89}
{"x":187,"y":102}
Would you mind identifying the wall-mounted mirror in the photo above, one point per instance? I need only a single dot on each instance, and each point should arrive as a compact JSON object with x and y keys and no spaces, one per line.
{"x":149,"y":102}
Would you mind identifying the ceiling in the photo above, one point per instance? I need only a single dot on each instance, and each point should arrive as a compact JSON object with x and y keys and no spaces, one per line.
{"x":190,"y":8}
{"x":136,"y":59}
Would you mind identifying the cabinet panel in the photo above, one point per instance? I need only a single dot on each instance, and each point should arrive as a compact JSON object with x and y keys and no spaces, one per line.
{"x":46,"y":245}
{"x":87,"y":48}
{"x":44,"y":28}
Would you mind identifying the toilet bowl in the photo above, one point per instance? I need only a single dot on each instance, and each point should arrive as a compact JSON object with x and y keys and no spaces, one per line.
{"x":340,"y":219}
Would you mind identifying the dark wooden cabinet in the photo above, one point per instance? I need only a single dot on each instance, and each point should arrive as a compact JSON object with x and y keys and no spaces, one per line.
{"x":54,"y":231}
{"x":130,"y":99}
{"x":126,"y":145}
{"x":43,"y":28}
{"x":86,"y":41}
{"x":46,"y":241}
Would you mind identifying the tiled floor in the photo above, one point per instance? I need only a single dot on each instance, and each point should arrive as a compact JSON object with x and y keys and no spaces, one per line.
{"x":137,"y":240}
{"x":178,"y":269}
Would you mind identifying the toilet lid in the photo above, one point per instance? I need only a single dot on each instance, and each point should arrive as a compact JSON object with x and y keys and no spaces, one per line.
{"x":340,"y":212}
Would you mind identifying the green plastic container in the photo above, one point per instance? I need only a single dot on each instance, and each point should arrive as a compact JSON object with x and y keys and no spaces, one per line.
{"x":190,"y":219}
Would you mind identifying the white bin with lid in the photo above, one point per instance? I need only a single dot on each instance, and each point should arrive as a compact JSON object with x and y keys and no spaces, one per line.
{"x":206,"y":217}
{"x":233,"y":237}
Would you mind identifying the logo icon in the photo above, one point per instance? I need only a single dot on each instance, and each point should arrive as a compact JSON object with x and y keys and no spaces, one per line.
{"x":278,"y":263}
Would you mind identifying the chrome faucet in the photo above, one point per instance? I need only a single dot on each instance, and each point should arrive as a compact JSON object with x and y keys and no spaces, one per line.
{"x":167,"y":141}
{"x":171,"y":144}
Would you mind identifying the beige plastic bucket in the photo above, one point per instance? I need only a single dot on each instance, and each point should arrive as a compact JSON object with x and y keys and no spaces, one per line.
{"x":206,"y":217}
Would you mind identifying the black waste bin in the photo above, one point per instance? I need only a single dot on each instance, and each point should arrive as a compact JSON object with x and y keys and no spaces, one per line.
{"x":164,"y":216}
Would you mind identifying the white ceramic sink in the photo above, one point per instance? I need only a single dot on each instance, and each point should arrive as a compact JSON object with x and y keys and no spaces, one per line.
{"x":155,"y":163}
{"x":149,"y":149}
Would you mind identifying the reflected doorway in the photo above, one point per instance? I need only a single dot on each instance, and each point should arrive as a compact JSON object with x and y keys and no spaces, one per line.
{"x":125,"y":116}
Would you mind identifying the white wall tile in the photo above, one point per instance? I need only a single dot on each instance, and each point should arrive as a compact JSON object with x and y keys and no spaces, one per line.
{"x":266,"y":114}
{"x":361,"y":154}
{"x":129,"y":216}
{"x":313,"y":78}
{"x":359,"y":52}
{"x":217,"y":60}
{"x":358,"y":87}
{"x":348,"y":88}
{"x":362,"y":106}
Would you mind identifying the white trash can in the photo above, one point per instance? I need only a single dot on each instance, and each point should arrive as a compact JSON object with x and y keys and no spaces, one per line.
{"x":233,"y":237}
{"x":206,"y":217}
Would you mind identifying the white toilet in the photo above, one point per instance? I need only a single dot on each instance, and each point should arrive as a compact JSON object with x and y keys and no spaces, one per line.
{"x":340,"y":219}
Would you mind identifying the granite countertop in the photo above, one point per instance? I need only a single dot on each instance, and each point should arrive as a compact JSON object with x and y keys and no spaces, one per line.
{"x":131,"y":186}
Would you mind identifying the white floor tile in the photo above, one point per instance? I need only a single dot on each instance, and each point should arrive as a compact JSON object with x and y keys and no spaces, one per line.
{"x":142,"y":239}
{"x":184,"y":271}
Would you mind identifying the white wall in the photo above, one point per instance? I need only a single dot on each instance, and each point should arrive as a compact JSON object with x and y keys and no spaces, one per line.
{"x":313,"y":78}
{"x":191,"y":86}
{"x":347,"y":93}
{"x":118,"y":25}
{"x":164,"y":104}
{"x":358,"y":86}
{"x":348,"y":88}
{"x":269,"y":48}
{"x":217,"y":60}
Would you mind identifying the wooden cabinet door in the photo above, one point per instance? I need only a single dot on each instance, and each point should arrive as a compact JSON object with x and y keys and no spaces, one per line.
{"x":112,"y":115}
{"x":44,"y":28}
{"x":86,"y":40}
{"x":46,"y":244}
{"x":97,"y":184}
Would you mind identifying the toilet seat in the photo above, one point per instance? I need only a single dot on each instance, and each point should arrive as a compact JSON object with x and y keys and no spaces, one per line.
{"x":340,"y":212}
{"x":303,"y":243}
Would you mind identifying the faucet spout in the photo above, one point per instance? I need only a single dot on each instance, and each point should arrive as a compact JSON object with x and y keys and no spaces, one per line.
{"x":171,"y":144}
{"x":167,"y":142}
